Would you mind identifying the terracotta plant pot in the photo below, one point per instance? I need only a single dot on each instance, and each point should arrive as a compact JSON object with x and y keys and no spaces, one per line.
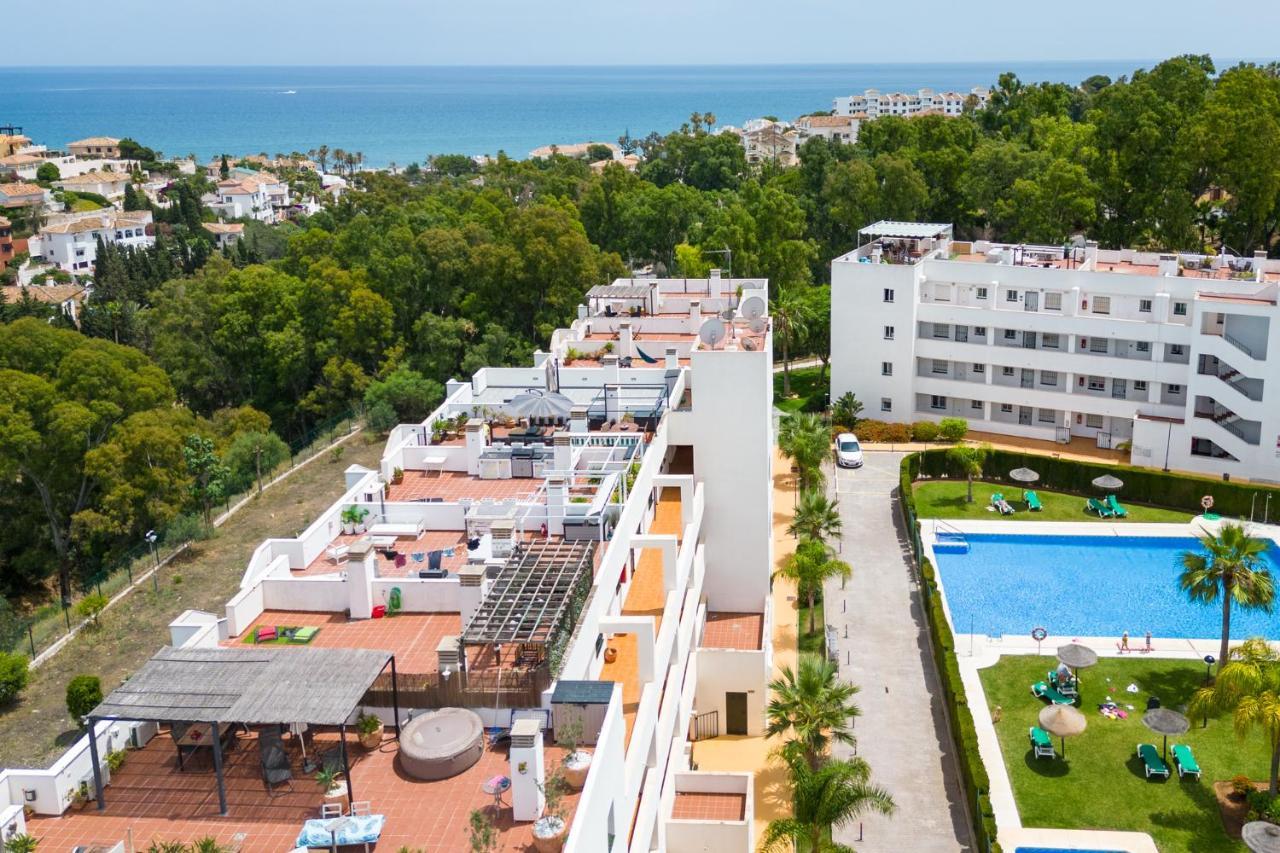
{"x":548,"y":834}
{"x":610,"y":654}
{"x":337,"y":794}
{"x":373,"y":739}
{"x":575,"y":768}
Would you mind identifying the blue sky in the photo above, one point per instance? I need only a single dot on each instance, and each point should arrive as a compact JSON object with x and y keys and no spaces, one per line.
{"x":589,"y":32}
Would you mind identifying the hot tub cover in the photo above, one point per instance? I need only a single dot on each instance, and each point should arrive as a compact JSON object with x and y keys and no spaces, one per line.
{"x":442,"y":743}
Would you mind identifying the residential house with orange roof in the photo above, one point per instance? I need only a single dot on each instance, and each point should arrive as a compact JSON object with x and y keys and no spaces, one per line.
{"x":6,"y":243}
{"x":96,"y":147}
{"x":833,"y":128}
{"x":110,"y":185}
{"x":71,"y":242}
{"x":21,"y":194}
{"x":246,"y":194}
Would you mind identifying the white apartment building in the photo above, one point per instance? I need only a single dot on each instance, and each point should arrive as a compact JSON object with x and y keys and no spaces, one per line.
{"x":873,"y":103}
{"x":71,"y":243}
{"x":1163,"y":353}
{"x":608,"y":566}
{"x":767,"y":140}
{"x":839,"y":128}
{"x":252,"y":195}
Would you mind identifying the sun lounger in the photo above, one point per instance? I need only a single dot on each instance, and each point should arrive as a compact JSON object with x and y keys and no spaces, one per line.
{"x":1041,"y":744}
{"x":1185,"y":761}
{"x":1032,"y":500}
{"x":1002,"y":505}
{"x":304,"y":635}
{"x":1098,"y":508}
{"x":1152,"y":763}
{"x":1116,"y":509}
{"x":1067,"y":688}
{"x":264,"y":634}
{"x":1044,"y":690}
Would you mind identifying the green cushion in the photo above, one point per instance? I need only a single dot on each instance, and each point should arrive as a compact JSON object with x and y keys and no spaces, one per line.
{"x":1040,"y":737}
{"x":304,"y":635}
{"x":1182,"y":752}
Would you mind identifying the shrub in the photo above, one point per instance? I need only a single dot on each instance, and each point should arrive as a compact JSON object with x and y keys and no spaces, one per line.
{"x":381,"y":417}
{"x":1241,"y":785}
{"x":116,"y":759}
{"x":953,"y":429}
{"x":184,"y":529}
{"x":84,"y":693}
{"x":924,"y":431}
{"x":846,"y":410}
{"x":48,"y":172}
{"x":21,"y":843}
{"x":13,"y":676}
{"x":410,"y":394}
{"x":91,"y":606}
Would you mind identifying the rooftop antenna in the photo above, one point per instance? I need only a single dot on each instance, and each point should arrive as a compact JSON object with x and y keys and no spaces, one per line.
{"x":712,"y":332}
{"x":728,"y":315}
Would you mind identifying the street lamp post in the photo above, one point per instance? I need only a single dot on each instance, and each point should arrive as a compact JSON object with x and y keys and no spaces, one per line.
{"x":1209,"y":661}
{"x":151,"y":538}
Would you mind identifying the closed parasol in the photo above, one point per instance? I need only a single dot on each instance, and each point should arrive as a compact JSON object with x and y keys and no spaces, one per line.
{"x":1063,"y":721}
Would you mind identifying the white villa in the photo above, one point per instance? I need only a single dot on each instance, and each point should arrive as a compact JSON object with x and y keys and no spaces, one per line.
{"x":602,"y":566}
{"x":1163,"y":353}
{"x":253,"y":195}
{"x":873,"y":103}
{"x":110,"y":185}
{"x":71,"y":242}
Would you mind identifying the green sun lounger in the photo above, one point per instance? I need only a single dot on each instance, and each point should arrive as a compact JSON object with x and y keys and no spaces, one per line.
{"x":1041,"y":744}
{"x":1115,"y":507}
{"x":1044,"y":690}
{"x":304,"y":635}
{"x":1185,"y":761}
{"x":1032,"y":500}
{"x":1098,"y":508}
{"x":1152,"y":763}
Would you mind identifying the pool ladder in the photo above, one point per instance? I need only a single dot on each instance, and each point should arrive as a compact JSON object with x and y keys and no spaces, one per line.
{"x":948,"y":539}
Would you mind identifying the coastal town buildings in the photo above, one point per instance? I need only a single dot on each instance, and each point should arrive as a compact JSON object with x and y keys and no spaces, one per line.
{"x":1161,"y":353}
{"x":109,"y":185}
{"x":768,"y":140}
{"x":67,"y":298}
{"x":6,"y":243}
{"x":571,"y":553}
{"x":13,"y":143}
{"x":96,"y":147}
{"x":225,"y":234}
{"x":22,"y":194}
{"x":71,"y":242}
{"x":252,"y":195}
{"x":833,"y":128}
{"x":873,"y":103}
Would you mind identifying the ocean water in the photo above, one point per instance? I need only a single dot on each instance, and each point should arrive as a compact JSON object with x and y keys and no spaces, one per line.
{"x":1085,"y":586}
{"x":404,"y":114}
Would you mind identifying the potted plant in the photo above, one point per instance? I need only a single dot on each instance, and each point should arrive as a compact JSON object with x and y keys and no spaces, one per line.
{"x":335,"y":790}
{"x":348,"y":518}
{"x":370,"y":729}
{"x":21,"y":843}
{"x":550,"y":829}
{"x":361,"y":513}
{"x":576,"y":762}
{"x":397,"y":476}
{"x":80,"y":796}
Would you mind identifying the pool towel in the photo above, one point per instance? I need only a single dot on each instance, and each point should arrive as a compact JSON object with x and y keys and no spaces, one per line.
{"x":361,"y":829}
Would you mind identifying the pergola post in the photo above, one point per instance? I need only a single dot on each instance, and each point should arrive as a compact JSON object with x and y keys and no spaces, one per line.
{"x":97,"y":768}
{"x":216,"y":731}
{"x":395,"y":698}
{"x":346,"y":767}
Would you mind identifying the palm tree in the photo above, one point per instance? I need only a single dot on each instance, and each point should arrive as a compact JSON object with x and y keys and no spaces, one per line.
{"x":817,"y":517}
{"x":791,"y":316}
{"x":814,"y":707}
{"x":968,"y":459}
{"x":1230,"y":568}
{"x":806,"y":440}
{"x":322,"y":156}
{"x":810,"y":567}
{"x":1249,"y":687}
{"x":824,"y":797}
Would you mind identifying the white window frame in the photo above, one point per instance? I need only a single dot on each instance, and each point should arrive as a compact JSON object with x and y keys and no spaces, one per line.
{"x":982,"y":293}
{"x":1179,"y":309}
{"x":1006,"y":408}
{"x":943,"y":363}
{"x":1010,"y":334}
{"x":1143,"y":346}
{"x":1144,"y":306}
{"x":888,"y":333}
{"x":975,"y":404}
{"x":979,"y":331}
{"x":937,"y":401}
{"x":886,"y":368}
{"x":886,"y":404}
{"x":1006,"y":371}
{"x":979,"y":368}
{"x":888,"y":294}
{"x":1053,"y":300}
{"x":1096,"y":383}
{"x":1101,"y":305}
{"x":1045,"y":375}
{"x":1093,"y":421}
{"x":1011,"y":296}
{"x":1051,"y":336}
{"x":1140,"y":385}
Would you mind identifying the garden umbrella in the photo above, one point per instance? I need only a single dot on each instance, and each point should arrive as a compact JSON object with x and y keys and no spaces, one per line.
{"x":1023,"y":475}
{"x":1077,"y":657}
{"x":1108,"y":483}
{"x":1261,"y":836}
{"x":1165,"y":721}
{"x":1062,"y":721}
{"x":539,"y":404}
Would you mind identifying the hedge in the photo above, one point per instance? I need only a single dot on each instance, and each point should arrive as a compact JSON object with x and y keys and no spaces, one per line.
{"x":1141,"y":485}
{"x":973,"y":773}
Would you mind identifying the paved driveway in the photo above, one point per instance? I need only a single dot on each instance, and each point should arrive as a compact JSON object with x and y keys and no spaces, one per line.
{"x":901,"y":732}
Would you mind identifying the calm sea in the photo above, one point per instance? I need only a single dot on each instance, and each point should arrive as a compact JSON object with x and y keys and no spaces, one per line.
{"x":404,"y":114}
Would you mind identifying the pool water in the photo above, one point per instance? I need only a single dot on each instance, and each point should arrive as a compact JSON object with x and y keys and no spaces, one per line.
{"x":1084,"y":586}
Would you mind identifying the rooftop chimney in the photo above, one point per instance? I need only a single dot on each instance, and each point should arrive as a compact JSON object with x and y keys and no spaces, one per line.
{"x":695,"y":311}
{"x":477,"y":440}
{"x":625,"y":339}
{"x":578,"y":419}
{"x":1168,"y":265}
{"x":610,"y":366}
{"x":562,"y":451}
{"x":527,"y":773}
{"x":673,"y":358}
{"x":362,"y":568}
{"x":714,"y":284}
{"x":582,"y":312}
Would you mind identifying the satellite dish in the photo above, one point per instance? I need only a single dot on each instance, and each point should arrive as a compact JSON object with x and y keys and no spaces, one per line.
{"x":727,"y":315}
{"x":753,"y":307}
{"x":749,"y":344}
{"x":759,"y":325}
{"x":712,"y":332}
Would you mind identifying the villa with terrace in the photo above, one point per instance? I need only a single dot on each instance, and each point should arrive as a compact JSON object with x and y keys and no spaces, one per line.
{"x":562,"y":572}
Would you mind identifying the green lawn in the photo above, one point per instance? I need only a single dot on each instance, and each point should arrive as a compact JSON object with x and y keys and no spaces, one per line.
{"x":1100,"y":784}
{"x":808,"y":384}
{"x":946,"y":499}
{"x":811,"y":643}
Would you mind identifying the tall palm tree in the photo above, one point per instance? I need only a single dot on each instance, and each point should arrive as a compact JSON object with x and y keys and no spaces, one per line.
{"x":322,"y":156}
{"x":968,"y":459}
{"x":837,"y":792}
{"x":817,"y":517}
{"x":805,"y":439}
{"x":1230,"y":569}
{"x":791,"y":315}
{"x":1249,"y":687}
{"x":810,"y":567}
{"x":812,"y":707}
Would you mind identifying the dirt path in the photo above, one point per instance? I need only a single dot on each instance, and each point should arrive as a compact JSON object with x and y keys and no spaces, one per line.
{"x":36,"y":729}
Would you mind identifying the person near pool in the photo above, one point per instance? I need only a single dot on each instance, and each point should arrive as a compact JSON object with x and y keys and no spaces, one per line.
{"x":1148,"y":647}
{"x":1063,"y":675}
{"x":1124,"y":642}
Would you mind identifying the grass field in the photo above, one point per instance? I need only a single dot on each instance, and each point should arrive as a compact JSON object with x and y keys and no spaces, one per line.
{"x":810,"y":643}
{"x":36,"y":729}
{"x":946,"y":499}
{"x":1100,"y":784}
{"x":808,"y":384}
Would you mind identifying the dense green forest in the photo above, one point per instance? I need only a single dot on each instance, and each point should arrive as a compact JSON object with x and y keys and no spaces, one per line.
{"x":129,"y":421}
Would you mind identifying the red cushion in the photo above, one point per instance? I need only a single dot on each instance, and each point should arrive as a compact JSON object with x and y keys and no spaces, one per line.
{"x":265,"y":634}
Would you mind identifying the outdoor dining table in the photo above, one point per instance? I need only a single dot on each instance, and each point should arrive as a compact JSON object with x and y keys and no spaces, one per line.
{"x":435,"y":462}
{"x":197,"y":737}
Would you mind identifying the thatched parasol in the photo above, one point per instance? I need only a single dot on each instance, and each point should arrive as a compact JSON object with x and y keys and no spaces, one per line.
{"x":1108,"y":483}
{"x":1261,"y":836}
{"x":1063,"y":721}
{"x":1023,"y":475}
{"x":1165,"y":721}
{"x":1077,"y":656}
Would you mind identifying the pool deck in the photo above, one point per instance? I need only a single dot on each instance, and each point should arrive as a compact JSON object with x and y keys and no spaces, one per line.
{"x":975,"y":652}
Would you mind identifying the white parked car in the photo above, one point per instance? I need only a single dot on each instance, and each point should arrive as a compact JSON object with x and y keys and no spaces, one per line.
{"x":848,"y":451}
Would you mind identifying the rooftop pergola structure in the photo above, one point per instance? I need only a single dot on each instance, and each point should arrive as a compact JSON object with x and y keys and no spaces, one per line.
{"x":536,"y":599}
{"x":254,"y":686}
{"x":931,"y":233}
{"x":630,"y":293}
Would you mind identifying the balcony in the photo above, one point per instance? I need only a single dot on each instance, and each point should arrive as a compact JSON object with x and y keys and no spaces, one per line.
{"x":710,"y":811}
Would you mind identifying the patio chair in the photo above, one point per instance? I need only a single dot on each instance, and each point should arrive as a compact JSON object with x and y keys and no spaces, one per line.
{"x":1116,"y":509}
{"x":276,"y":769}
{"x":1152,"y":763}
{"x":1044,"y":690}
{"x":1002,"y":505}
{"x":1032,"y":500}
{"x":1185,"y":761}
{"x":1066,"y":688}
{"x":1041,"y":743}
{"x":1098,"y":508}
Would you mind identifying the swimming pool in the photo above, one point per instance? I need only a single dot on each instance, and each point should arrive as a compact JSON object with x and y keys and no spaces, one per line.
{"x":1090,"y":586}
{"x":1061,"y":850}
